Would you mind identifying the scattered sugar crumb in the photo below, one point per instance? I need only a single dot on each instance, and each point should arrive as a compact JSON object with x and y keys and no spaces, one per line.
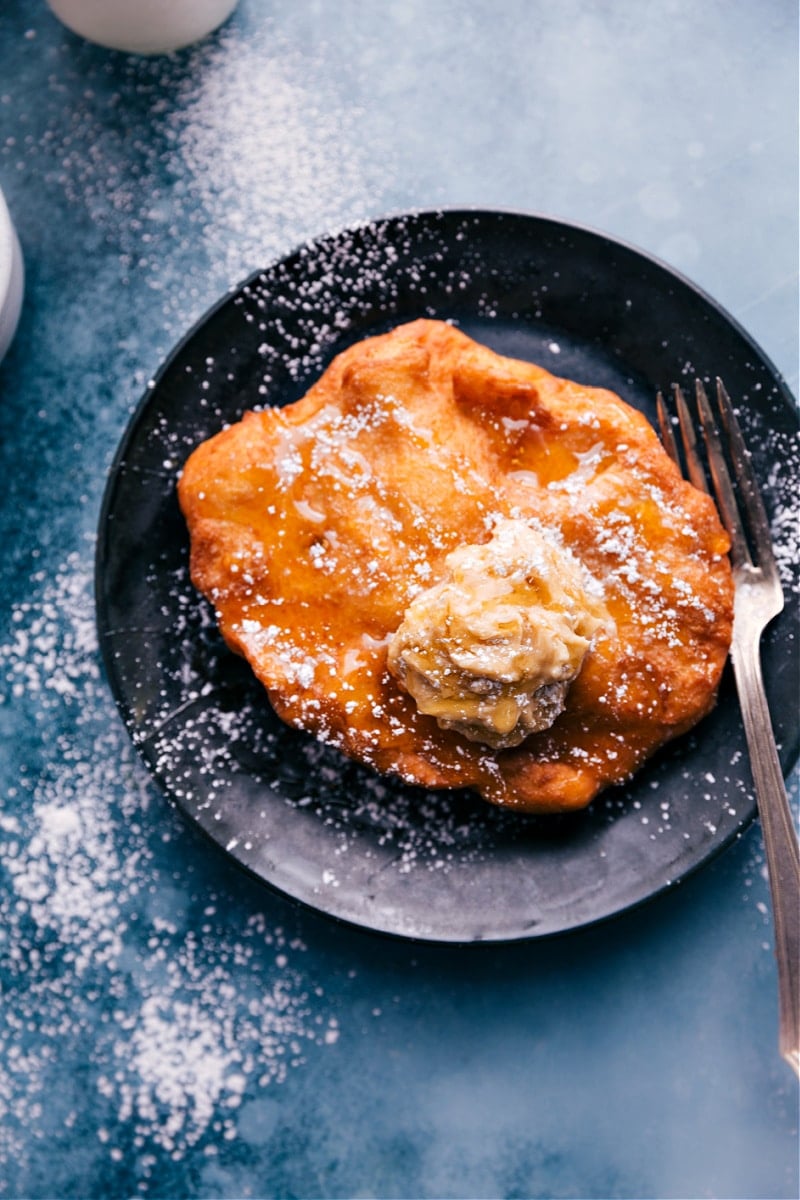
{"x":189,"y":1013}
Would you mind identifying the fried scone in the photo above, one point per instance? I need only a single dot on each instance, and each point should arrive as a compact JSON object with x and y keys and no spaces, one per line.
{"x":464,"y":571}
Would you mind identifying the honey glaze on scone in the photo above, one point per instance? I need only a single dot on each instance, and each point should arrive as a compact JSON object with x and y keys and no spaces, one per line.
{"x":465,"y":571}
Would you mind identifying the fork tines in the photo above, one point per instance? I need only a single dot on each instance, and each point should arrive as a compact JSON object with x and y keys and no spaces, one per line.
{"x":724,"y":489}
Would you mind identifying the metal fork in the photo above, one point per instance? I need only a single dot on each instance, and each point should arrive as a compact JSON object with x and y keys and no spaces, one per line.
{"x":757,"y":599}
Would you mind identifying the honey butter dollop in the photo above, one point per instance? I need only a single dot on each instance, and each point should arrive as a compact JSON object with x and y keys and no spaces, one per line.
{"x":491,"y":649}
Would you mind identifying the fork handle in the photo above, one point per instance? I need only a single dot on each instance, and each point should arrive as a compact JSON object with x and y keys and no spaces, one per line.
{"x":780,"y":843}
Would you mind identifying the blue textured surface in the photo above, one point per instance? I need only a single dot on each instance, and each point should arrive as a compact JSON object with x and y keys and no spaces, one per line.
{"x":168,"y":1028}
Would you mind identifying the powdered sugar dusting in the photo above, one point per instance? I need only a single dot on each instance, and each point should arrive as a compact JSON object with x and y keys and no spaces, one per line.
{"x":190,"y":1012}
{"x":784,"y":486}
{"x":251,"y":110}
{"x":227,"y":156}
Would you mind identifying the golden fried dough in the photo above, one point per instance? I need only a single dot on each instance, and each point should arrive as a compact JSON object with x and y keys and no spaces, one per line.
{"x":314,"y":529}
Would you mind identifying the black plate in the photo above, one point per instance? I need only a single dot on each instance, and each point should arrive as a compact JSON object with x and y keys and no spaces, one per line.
{"x":436,"y":866}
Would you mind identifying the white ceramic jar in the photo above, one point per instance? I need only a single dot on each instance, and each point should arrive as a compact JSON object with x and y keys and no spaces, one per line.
{"x":12,"y":278}
{"x":143,"y":26}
